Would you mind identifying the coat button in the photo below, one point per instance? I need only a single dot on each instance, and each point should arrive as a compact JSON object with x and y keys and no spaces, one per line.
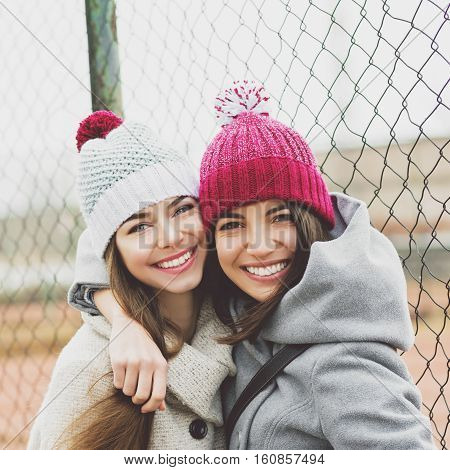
{"x":198,"y":429}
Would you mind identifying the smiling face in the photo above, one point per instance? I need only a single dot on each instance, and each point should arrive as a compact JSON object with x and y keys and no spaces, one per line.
{"x":255,"y":245}
{"x":164,"y":245}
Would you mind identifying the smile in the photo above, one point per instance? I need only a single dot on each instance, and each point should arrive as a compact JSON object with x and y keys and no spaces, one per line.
{"x":267,"y":270}
{"x":178,"y":261}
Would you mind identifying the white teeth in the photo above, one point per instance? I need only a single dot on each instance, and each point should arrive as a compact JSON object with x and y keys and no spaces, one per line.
{"x":267,"y":271}
{"x":175,"y":262}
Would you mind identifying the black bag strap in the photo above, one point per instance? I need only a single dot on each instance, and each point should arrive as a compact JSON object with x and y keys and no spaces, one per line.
{"x":260,"y":380}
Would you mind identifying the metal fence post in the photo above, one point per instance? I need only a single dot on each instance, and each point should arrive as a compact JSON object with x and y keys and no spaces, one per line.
{"x":104,"y":62}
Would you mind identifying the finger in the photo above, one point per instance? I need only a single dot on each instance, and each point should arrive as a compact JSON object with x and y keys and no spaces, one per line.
{"x":131,"y":378}
{"x":119,"y":375}
{"x":162,"y":406}
{"x":144,"y":387}
{"x":158,"y":392}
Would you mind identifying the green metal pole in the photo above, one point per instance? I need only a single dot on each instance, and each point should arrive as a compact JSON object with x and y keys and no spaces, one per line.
{"x":104,"y":62}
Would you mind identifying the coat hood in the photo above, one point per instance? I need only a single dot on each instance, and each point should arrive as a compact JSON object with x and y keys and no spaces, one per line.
{"x":353,"y":289}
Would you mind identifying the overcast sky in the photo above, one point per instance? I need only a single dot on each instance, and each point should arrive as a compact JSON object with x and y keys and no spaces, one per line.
{"x":176,"y":55}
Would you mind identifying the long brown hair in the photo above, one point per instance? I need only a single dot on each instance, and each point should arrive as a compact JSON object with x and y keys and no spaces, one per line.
{"x":310,"y":229}
{"x":115,"y":422}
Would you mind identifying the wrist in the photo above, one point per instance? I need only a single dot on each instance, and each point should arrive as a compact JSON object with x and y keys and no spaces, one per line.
{"x":109,"y":307}
{"x":118,"y":316}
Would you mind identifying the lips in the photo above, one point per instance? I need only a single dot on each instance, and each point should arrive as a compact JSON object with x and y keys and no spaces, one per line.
{"x":267,"y":268}
{"x":177,"y":263}
{"x":267,"y":271}
{"x":176,"y":260}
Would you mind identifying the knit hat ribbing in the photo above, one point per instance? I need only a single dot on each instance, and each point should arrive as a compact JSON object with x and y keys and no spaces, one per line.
{"x":122,"y":169}
{"x":255,"y":157}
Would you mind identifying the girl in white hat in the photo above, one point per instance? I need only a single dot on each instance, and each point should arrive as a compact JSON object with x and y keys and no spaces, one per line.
{"x":138,"y":199}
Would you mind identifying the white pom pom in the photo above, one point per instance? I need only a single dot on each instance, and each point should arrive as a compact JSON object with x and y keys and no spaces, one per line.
{"x":243,"y":96}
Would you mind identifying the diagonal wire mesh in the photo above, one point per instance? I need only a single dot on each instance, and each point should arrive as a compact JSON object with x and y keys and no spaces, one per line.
{"x":366,"y":83}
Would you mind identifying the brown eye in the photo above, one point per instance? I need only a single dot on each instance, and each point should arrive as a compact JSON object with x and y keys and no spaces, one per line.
{"x":136,"y":227}
{"x":230,"y":226}
{"x":282,"y":218}
{"x":185,"y":208}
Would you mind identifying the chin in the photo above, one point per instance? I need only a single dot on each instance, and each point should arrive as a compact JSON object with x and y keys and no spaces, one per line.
{"x":258,"y":295}
{"x":180,"y":286}
{"x":181,"y":289}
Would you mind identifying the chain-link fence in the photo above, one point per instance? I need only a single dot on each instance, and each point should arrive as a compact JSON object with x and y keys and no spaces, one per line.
{"x":366,"y":83}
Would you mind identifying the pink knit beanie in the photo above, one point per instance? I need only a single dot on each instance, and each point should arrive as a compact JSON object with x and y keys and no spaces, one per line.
{"x":254,"y":157}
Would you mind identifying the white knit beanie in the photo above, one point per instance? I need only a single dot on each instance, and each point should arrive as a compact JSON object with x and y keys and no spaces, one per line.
{"x":124,"y":167}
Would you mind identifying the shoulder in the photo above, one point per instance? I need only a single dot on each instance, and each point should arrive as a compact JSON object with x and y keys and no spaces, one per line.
{"x":372,"y":369}
{"x":87,"y":351}
{"x":81,"y":377}
{"x":88,"y":344}
{"x":358,"y":361}
{"x":365,"y":398}
{"x":360,"y":354}
{"x":82,"y":362}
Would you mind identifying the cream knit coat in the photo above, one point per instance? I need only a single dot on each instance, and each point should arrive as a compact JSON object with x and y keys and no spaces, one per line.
{"x":193,"y":388}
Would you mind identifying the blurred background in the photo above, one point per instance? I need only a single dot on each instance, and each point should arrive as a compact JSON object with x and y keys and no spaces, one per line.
{"x":366,"y":83}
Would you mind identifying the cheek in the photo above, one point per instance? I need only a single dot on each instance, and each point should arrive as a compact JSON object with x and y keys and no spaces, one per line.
{"x":133,"y":255}
{"x":194,"y":225}
{"x":228,"y":249}
{"x":287,"y":237}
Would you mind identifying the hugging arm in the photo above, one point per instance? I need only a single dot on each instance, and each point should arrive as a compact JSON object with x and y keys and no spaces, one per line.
{"x":140,"y":369}
{"x":90,"y":274}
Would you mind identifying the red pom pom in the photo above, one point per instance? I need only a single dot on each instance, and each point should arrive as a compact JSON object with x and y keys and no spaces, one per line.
{"x":97,"y":126}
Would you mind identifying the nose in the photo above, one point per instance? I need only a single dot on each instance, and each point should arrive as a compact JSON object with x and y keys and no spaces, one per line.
{"x":260,"y":244}
{"x":168,"y":235}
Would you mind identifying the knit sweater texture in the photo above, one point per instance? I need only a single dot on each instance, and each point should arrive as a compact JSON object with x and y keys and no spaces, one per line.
{"x":193,"y":388}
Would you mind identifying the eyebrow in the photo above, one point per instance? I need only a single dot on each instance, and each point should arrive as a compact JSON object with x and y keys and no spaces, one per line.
{"x":235,"y":215}
{"x":176,"y":201}
{"x":144,"y":212}
{"x":276,"y":209}
{"x":232,"y":215}
{"x":138,"y":215}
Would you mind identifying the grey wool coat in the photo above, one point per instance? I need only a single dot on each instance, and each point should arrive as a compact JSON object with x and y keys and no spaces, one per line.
{"x":351,"y":389}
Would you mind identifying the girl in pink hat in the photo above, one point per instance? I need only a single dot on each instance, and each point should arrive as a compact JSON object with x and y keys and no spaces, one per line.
{"x":296,"y":268}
